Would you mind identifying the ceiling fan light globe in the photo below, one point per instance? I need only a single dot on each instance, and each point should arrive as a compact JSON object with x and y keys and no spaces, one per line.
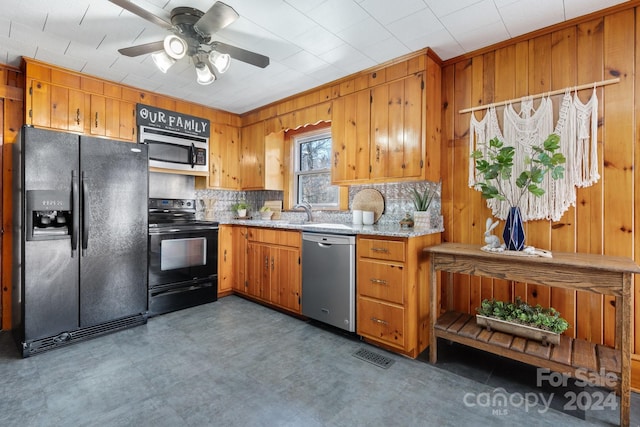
{"x":162,"y":61}
{"x":221,"y":61}
{"x":204,"y":75}
{"x":175,"y":46}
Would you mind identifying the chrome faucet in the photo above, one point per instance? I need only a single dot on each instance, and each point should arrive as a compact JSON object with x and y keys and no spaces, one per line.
{"x":307,"y":208}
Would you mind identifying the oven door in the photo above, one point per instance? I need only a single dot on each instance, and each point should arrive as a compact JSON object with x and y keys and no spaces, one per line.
{"x":183,"y":268}
{"x":181,"y":256}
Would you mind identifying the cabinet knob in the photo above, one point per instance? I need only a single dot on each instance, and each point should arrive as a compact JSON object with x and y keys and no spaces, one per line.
{"x":78,"y":116}
{"x":378,"y":281}
{"x":96,"y":119}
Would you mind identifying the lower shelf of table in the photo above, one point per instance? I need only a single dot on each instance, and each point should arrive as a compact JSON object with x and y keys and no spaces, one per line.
{"x":598,"y":364}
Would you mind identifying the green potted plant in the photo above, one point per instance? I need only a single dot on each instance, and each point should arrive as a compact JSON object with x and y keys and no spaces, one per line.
{"x":421,"y":202}
{"x":522,"y":319}
{"x":240,"y":208}
{"x":495,"y":168}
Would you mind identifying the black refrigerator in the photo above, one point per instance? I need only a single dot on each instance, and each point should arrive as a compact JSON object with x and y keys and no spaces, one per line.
{"x":80,"y":238}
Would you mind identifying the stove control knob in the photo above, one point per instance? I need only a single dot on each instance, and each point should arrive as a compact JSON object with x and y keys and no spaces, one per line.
{"x":188,"y":204}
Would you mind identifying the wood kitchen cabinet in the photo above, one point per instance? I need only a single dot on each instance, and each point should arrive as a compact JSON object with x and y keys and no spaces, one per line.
{"x":224,"y":159}
{"x":57,"y":107}
{"x":239,"y":258}
{"x":397,"y":138}
{"x":393,"y":293}
{"x":261,"y":162}
{"x":378,"y":133}
{"x":350,"y":138}
{"x":274,"y":272}
{"x":225,"y":260}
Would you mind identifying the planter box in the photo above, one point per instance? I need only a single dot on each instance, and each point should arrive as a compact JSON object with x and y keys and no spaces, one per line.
{"x":546,"y":337}
{"x":421,"y":219}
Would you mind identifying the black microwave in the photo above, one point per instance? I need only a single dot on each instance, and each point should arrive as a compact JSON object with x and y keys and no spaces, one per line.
{"x":176,"y":151}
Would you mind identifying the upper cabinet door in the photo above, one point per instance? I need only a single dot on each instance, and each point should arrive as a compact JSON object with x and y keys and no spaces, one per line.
{"x":252,"y":162}
{"x":76,"y":110}
{"x":224,"y":157}
{"x":381,"y":104}
{"x":97,"y":118}
{"x":397,"y":130}
{"x":413,"y":116}
{"x":261,"y":163}
{"x":39,"y":104}
{"x":378,"y":134}
{"x":119,"y":119}
{"x":350,"y":138}
{"x":56,"y":107}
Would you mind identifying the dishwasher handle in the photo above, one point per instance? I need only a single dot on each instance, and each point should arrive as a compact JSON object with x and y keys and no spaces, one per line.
{"x":326,"y":240}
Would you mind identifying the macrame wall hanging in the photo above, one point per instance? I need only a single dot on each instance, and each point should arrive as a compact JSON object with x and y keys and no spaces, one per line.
{"x":577,"y":127}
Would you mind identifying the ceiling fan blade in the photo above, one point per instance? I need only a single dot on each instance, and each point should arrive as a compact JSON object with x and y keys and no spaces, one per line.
{"x":143,"y":13}
{"x":217,"y":17}
{"x":241,"y":54}
{"x":142,"y":49}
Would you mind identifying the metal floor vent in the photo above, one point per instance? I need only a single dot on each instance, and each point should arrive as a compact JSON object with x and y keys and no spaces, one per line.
{"x":375,"y":358}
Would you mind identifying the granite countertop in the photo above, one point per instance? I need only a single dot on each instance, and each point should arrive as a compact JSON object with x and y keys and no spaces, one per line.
{"x":382,"y":229}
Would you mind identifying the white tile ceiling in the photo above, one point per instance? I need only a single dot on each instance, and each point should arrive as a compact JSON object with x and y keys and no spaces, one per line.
{"x":309,"y":42}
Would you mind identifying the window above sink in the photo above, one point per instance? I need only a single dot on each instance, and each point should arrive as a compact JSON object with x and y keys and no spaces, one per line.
{"x":312,"y":173}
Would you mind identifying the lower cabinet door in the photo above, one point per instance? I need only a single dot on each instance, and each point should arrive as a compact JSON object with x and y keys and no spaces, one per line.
{"x":381,"y":322}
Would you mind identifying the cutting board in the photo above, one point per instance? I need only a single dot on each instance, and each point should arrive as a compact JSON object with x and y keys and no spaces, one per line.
{"x":369,"y":200}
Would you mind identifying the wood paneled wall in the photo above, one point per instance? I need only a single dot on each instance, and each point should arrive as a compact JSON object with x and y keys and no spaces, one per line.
{"x":600,"y":46}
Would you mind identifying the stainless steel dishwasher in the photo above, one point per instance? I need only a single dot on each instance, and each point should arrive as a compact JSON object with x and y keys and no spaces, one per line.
{"x":329,"y":279}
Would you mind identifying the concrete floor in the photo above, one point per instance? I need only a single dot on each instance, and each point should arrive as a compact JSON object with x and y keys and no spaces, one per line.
{"x":236,"y":363}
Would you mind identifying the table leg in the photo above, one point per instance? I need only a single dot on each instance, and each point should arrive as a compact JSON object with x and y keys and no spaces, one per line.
{"x":433,"y":315}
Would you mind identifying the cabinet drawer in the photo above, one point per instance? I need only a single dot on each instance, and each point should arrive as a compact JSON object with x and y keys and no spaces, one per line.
{"x":381,"y":322}
{"x":391,"y":250}
{"x":381,"y":280}
{"x":274,"y":236}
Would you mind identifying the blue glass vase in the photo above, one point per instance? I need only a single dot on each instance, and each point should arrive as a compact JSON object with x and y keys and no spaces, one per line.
{"x":513,"y":233}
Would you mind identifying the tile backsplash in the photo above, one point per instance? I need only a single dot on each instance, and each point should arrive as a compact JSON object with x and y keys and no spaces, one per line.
{"x":397,"y":202}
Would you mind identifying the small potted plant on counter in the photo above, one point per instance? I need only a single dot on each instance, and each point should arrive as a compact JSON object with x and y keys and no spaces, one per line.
{"x":522,"y":319}
{"x":240,"y":208}
{"x":421,"y":202}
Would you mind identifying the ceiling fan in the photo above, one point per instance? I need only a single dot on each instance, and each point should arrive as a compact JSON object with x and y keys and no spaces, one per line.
{"x":191,"y":36}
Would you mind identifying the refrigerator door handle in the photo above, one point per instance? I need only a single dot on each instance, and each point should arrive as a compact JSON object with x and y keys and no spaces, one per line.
{"x":85,"y":213}
{"x":75,"y":212}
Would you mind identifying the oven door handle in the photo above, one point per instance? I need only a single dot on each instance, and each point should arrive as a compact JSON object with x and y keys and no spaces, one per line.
{"x":166,"y":231}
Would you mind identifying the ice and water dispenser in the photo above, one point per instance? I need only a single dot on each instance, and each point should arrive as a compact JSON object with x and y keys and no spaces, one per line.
{"x":49,"y":215}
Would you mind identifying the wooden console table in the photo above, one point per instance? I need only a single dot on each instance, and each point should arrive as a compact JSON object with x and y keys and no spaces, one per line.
{"x":595,"y":273}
